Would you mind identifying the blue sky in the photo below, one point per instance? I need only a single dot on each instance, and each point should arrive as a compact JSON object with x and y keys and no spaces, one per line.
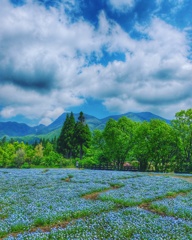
{"x":103,"y":57}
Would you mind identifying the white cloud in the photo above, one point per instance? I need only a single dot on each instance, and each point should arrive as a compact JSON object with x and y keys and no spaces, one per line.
{"x":45,"y":64}
{"x":121,"y":5}
{"x":39,"y":47}
{"x":51,"y":115}
{"x":7,"y":112}
{"x":156,"y":76}
{"x":45,"y":121}
{"x":33,"y":105}
{"x":55,"y":112}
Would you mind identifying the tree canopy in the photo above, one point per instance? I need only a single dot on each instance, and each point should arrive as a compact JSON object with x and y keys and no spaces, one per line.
{"x":151,"y":146}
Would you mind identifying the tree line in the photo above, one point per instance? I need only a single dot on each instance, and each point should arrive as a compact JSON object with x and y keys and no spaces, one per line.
{"x":14,"y":154}
{"x":150,"y":146}
{"x":58,"y":152}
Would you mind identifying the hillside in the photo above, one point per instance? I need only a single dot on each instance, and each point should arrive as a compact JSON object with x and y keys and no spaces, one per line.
{"x":13,"y":129}
{"x":22,"y":131}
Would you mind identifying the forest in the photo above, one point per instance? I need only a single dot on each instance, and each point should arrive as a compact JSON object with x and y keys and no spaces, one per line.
{"x":149,"y":146}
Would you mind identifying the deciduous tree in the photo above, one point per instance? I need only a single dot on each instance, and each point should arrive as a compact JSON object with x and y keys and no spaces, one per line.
{"x":118,"y":137}
{"x":183,"y":128}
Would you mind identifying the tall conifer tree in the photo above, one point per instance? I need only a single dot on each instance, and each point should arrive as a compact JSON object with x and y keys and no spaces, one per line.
{"x":82,"y":134}
{"x":65,"y":142}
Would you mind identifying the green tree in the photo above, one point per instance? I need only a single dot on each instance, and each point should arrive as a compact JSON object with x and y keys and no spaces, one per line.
{"x":98,"y":147}
{"x":2,"y":157}
{"x":161,"y":144}
{"x":82,"y":135}
{"x":119,"y":140}
{"x":10,"y":155}
{"x":47,"y":149}
{"x":183,"y":129}
{"x":141,"y":148}
{"x":54,"y":143}
{"x":4,"y":140}
{"x":65,"y":142}
{"x":19,"y":157}
{"x":38,"y":154}
{"x":29,"y":155}
{"x":49,"y":158}
{"x":98,"y":140}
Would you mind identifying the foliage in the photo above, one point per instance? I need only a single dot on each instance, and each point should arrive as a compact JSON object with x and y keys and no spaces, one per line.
{"x":152,"y":146}
{"x":74,"y":137}
{"x":82,"y":135}
{"x":21,"y":155}
{"x":65,"y":142}
{"x":156,"y":145}
{"x":183,"y":129}
{"x":118,"y":136}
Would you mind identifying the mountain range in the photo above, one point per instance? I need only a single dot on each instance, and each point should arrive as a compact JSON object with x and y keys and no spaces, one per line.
{"x":22,"y":131}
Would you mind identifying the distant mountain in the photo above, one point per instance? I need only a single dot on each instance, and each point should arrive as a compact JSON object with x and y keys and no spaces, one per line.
{"x":137,"y":117}
{"x":23,"y":131}
{"x":18,"y":129}
{"x":58,"y":123}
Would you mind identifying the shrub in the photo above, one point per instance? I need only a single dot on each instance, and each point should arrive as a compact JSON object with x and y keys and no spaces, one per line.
{"x":25,"y":165}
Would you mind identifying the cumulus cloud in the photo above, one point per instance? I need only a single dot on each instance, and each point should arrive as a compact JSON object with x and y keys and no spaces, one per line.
{"x":33,"y":105}
{"x":7,"y":112}
{"x":46,"y":63}
{"x":38,"y":46}
{"x":157,"y":73}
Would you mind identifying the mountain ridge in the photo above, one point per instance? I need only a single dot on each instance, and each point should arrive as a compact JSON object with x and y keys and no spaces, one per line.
{"x":15,"y":129}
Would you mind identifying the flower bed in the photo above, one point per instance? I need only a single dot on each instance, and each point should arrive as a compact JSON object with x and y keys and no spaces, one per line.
{"x":33,"y":199}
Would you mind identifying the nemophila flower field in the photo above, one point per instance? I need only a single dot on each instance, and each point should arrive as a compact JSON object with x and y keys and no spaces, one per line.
{"x":59,"y":204}
{"x":181,"y":206}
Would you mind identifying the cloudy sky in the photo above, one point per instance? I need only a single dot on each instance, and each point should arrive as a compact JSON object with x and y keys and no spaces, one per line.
{"x":100,"y":56}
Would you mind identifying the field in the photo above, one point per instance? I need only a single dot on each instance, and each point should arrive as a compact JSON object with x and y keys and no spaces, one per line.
{"x":87,"y":204}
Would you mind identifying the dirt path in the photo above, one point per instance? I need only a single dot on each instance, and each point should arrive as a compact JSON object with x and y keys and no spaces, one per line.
{"x":95,"y":195}
{"x":62,"y":224}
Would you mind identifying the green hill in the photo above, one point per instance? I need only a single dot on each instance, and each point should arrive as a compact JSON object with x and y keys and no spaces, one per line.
{"x":23,"y":132}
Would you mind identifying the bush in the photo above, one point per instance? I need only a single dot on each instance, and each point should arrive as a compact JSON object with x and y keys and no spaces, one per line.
{"x":25,"y":165}
{"x":88,"y":161}
{"x":135,"y":163}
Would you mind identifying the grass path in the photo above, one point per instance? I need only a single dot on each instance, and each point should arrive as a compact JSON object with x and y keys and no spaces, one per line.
{"x":148,"y":207}
{"x":188,"y":179}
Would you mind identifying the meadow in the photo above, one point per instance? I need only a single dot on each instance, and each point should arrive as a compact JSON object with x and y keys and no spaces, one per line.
{"x":86,"y":204}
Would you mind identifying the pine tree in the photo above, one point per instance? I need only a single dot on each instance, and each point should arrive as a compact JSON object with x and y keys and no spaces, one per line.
{"x":82,"y":134}
{"x":65,"y":142}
